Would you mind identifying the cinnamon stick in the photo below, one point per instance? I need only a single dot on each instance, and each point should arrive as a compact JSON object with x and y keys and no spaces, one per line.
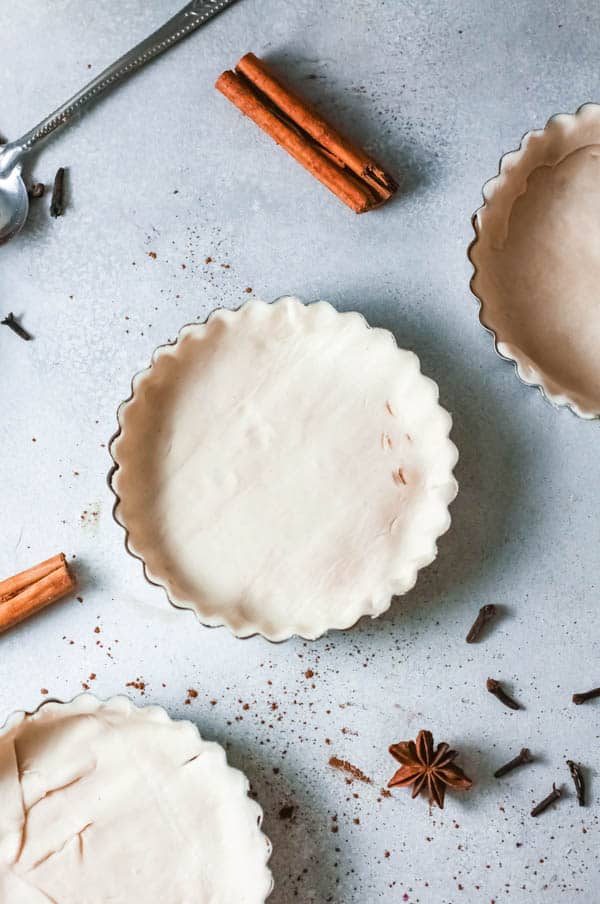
{"x":33,"y":589}
{"x":347,"y":171}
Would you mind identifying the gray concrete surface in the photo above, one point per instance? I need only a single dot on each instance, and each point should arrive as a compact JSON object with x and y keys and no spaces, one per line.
{"x":165,"y":164}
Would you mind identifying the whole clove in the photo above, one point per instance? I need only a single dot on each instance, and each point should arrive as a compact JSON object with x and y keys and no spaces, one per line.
{"x":37,"y":190}
{"x":587,"y":695}
{"x":12,"y":323}
{"x":57,"y":204}
{"x":495,"y":688}
{"x":543,"y":804}
{"x":523,"y":757}
{"x":578,"y":780}
{"x":486,"y":613}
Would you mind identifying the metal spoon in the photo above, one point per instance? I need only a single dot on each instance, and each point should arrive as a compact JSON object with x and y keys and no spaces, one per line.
{"x":14,"y":201}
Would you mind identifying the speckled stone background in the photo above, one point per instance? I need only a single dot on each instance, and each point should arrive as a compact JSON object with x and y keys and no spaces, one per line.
{"x":166,"y":165}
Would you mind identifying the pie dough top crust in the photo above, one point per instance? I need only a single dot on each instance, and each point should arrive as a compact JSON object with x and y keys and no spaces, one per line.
{"x":107,"y":802}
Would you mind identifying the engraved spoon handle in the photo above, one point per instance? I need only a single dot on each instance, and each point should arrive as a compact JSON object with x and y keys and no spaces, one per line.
{"x":183,"y":23}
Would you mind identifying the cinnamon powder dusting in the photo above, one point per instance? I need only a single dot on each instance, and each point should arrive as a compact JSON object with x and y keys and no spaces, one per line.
{"x":349,"y":769}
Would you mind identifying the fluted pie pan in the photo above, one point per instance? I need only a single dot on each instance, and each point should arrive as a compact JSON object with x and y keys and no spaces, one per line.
{"x":105,"y":801}
{"x":536,"y":260}
{"x":283,"y":469}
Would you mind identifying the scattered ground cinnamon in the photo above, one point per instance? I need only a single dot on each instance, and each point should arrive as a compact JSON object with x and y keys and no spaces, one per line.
{"x":349,"y":769}
{"x":287,"y":812}
{"x":347,"y":171}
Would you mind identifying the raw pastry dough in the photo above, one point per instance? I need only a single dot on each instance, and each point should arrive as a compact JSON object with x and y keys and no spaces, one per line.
{"x":284,"y":469}
{"x":107,"y":802}
{"x":537,"y":259}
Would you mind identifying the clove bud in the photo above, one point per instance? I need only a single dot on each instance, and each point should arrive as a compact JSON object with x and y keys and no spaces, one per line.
{"x":543,"y":804}
{"x":578,"y":780}
{"x":587,"y":695}
{"x":486,"y":613}
{"x":523,"y":757}
{"x":495,"y":688}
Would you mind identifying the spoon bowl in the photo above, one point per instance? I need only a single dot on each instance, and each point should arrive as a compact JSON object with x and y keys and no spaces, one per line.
{"x":14,"y":201}
{"x":14,"y":204}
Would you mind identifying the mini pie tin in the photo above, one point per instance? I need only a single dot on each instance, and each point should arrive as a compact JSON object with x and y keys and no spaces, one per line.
{"x":537,"y":230}
{"x":227,"y":802}
{"x":313,"y":439}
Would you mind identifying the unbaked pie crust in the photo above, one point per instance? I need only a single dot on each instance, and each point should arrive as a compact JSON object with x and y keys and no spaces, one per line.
{"x":537,"y":259}
{"x":107,"y":802}
{"x":283,"y":469}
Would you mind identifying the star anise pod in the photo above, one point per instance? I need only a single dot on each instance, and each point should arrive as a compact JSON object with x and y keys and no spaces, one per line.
{"x":427,"y":769}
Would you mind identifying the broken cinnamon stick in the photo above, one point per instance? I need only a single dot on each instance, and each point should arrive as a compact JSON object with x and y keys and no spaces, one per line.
{"x":33,"y":589}
{"x":351,"y":174}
